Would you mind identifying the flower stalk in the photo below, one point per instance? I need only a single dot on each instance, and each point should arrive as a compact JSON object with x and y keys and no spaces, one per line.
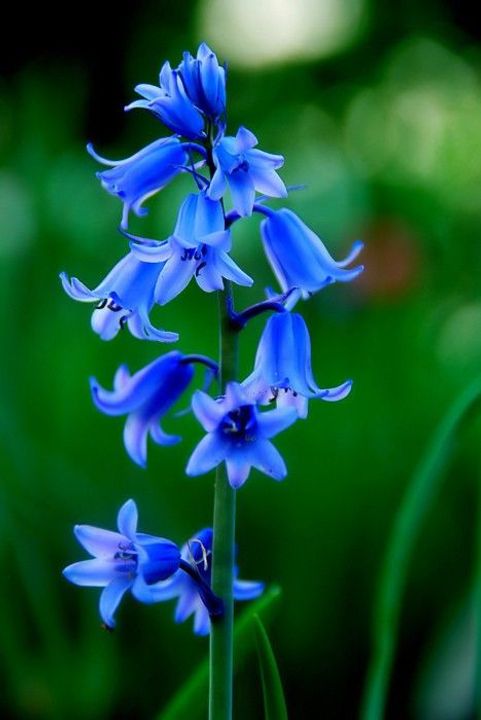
{"x":222,"y":632}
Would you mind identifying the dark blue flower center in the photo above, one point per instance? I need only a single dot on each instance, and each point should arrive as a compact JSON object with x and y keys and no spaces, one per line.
{"x":127,"y":556}
{"x":240,"y":424}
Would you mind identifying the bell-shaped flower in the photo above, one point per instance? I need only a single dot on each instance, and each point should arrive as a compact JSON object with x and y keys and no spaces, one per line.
{"x":198,"y":552}
{"x":123,"y":560}
{"x":171,"y":104}
{"x":239,"y":434}
{"x":145,"y":398}
{"x":138,"y":177}
{"x":246,"y":170}
{"x":299,"y":258}
{"x":198,"y":248}
{"x":124,"y":297}
{"x":204,"y":81}
{"x":282,"y":370}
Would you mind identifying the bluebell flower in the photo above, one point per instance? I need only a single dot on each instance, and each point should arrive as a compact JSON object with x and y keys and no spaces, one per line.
{"x":198,"y":552}
{"x":198,"y":248}
{"x":204,"y":81}
{"x":239,"y":434}
{"x":282,"y":370}
{"x":145,"y":398}
{"x":138,"y":177}
{"x":171,"y":104}
{"x":298,"y":257}
{"x":123,"y":560}
{"x":124,"y":297}
{"x":245,"y":170}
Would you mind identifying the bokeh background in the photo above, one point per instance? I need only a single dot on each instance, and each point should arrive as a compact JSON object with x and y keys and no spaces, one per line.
{"x":377,"y":109}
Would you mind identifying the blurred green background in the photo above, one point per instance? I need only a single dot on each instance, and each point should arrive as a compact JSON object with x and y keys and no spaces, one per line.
{"x":378,"y":111}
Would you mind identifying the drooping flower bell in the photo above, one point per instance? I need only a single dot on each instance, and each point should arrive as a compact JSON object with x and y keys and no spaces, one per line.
{"x":198,"y":248}
{"x":124,"y":297}
{"x":198,"y":552}
{"x":239,"y":434}
{"x":297,"y":255}
{"x":245,"y":170}
{"x":282,"y":370}
{"x":171,"y":104}
{"x":138,"y":177}
{"x":123,"y":560}
{"x":204,"y":81}
{"x":145,"y":398}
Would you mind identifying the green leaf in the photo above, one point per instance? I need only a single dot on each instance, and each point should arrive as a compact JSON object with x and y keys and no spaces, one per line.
{"x":274,"y":702}
{"x":191,"y":700}
{"x":419,"y":496}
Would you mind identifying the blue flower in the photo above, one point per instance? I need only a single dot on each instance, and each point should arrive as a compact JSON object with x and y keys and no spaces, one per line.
{"x":171,"y":104}
{"x":239,"y":434}
{"x":282,"y":370}
{"x":246,"y":170}
{"x":122,"y":560}
{"x":198,"y":552}
{"x":145,"y":398}
{"x":126,"y":296}
{"x":298,"y":257}
{"x":204,"y":81}
{"x":136,"y":178}
{"x":198,"y":248}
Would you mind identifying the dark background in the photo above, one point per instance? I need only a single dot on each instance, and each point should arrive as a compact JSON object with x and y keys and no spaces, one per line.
{"x":382,"y":126}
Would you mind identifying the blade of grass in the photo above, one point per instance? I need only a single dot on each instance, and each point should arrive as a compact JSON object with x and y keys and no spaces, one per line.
{"x":272,"y":691}
{"x":424,"y":485}
{"x":190,"y":702}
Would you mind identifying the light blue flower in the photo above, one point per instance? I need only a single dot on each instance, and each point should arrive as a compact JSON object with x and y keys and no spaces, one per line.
{"x":204,"y":81}
{"x":126,"y":297}
{"x":123,"y":560}
{"x":239,"y":434}
{"x":171,"y":104}
{"x":297,"y":255}
{"x":282,"y":370}
{"x":245,"y":170}
{"x":198,"y":248}
{"x":138,"y":177}
{"x":145,"y":398}
{"x":198,"y":552}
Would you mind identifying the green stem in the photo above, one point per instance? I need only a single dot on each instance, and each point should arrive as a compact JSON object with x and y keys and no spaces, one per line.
{"x":221,"y":636}
{"x":417,"y":501}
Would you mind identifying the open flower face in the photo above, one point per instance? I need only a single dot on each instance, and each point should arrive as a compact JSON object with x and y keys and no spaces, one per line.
{"x":239,"y":435}
{"x":123,"y":560}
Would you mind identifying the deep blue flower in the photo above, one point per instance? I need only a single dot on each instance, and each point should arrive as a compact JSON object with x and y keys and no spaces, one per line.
{"x":204,"y":81}
{"x":126,"y":296}
{"x":198,"y":248}
{"x":282,"y":370}
{"x":122,"y":560}
{"x":239,"y":434}
{"x":145,"y":397}
{"x":138,"y":177}
{"x":245,"y":170}
{"x":298,"y":257}
{"x":171,"y":104}
{"x":198,"y":552}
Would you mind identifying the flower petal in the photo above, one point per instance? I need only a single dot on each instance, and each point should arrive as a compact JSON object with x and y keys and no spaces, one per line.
{"x":135,"y":438}
{"x":96,"y":541}
{"x":243,"y":192}
{"x":274,"y":421}
{"x":160,"y":591}
{"x":201,"y":620}
{"x":111,"y":597}
{"x":187,"y":604}
{"x":207,"y":411}
{"x":247,"y":589}
{"x":238,"y":469}
{"x":127,"y":519}
{"x":162,"y":438}
{"x":208,"y":454}
{"x":266,"y":458}
{"x":92,"y":573}
{"x":174,"y":277}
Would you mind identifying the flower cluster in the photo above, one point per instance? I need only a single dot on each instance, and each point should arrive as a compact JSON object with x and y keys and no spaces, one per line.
{"x":227,"y":171}
{"x":153,"y":569}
